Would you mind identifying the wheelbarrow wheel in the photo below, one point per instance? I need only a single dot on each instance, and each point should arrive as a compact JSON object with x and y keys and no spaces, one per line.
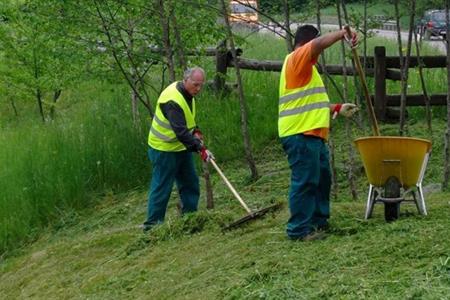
{"x":392,"y":191}
{"x":391,"y":211}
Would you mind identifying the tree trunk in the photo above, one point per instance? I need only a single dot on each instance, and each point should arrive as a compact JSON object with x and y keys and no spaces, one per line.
{"x":208,"y":186}
{"x":426,"y":98}
{"x":405,"y":70}
{"x":348,"y":128}
{"x":179,"y":42}
{"x":402,"y":64}
{"x":38,"y":92}
{"x":56,"y":95}
{"x":287,"y":24}
{"x":164,"y":21}
{"x":365,"y":37}
{"x":133,"y":75}
{"x":447,"y":132}
{"x":134,"y":102}
{"x":242,"y":102}
{"x":359,"y":96}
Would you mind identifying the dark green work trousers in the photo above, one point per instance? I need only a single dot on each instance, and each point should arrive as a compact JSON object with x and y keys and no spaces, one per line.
{"x":309,"y":193}
{"x":168,"y":167}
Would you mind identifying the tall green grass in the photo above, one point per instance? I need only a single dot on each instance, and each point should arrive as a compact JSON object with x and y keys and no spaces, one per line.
{"x":51,"y":167}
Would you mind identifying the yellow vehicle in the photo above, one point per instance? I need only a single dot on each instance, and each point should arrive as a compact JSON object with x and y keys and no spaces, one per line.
{"x":244,"y":11}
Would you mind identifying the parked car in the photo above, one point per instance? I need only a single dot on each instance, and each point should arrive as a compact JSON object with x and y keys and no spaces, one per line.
{"x":432,"y":24}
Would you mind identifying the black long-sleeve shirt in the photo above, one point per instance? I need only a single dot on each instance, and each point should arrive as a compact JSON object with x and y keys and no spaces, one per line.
{"x":175,"y":115}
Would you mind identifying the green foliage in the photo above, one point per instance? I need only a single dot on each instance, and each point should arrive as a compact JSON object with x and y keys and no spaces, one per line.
{"x":41,"y":60}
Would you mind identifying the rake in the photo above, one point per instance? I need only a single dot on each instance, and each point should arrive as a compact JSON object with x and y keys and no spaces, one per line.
{"x":251,"y":214}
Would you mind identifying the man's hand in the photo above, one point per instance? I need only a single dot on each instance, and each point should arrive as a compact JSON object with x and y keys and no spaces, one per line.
{"x":346,"y":110}
{"x":198,"y":134}
{"x":352,"y":40}
{"x":206,"y":155}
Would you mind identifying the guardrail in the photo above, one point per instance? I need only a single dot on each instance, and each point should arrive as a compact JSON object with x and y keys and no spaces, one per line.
{"x":389,"y":25}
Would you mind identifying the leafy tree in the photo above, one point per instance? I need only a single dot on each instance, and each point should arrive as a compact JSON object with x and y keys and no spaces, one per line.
{"x":42,"y":60}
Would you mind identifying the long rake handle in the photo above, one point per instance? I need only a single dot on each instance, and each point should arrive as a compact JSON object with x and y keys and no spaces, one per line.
{"x":373,"y":119}
{"x":235,"y":193}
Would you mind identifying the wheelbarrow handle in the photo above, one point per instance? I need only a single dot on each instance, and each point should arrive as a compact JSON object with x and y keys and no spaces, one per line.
{"x":235,"y":193}
{"x":373,"y":119}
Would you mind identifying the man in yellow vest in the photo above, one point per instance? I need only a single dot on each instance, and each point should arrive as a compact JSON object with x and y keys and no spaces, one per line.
{"x":172,"y":139}
{"x":303,"y":126}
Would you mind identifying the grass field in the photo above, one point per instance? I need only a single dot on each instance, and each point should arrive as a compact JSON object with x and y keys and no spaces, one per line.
{"x":101,"y":254}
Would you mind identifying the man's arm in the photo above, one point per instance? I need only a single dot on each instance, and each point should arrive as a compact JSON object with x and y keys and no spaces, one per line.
{"x":173,"y":112}
{"x":321,"y":43}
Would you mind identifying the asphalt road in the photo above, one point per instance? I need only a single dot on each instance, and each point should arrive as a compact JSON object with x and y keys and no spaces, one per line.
{"x":390,"y":34}
{"x":435,"y":42}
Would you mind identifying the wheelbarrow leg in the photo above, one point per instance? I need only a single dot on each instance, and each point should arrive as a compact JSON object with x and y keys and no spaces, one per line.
{"x":370,"y":202}
{"x":421,"y":201}
{"x":423,"y":209}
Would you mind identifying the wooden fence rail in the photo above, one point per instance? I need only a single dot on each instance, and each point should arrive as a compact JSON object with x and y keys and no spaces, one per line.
{"x":379,"y":66}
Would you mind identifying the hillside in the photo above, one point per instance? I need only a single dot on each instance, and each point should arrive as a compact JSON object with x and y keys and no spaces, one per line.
{"x":100,"y":254}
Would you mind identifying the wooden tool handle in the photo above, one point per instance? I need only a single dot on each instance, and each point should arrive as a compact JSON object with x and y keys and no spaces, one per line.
{"x":235,"y":193}
{"x":373,"y":119}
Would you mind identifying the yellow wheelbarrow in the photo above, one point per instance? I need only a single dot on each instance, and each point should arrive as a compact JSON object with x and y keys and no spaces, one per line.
{"x":395,"y":167}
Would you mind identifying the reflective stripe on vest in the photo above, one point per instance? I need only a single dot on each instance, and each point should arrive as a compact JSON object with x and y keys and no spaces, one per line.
{"x":161,"y":136}
{"x":302,"y":109}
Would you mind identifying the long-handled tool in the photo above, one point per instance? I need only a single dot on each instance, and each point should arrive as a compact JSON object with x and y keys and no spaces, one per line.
{"x":251,"y":214}
{"x":373,"y":119}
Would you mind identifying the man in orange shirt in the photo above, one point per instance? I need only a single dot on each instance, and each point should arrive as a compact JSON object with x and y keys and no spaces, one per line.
{"x":303,"y":127}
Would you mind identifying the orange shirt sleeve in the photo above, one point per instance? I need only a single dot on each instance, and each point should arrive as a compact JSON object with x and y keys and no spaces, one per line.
{"x":299,"y":67}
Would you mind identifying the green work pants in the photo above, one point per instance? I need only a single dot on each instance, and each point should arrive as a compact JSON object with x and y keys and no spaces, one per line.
{"x":167,"y":168}
{"x":309,"y":193}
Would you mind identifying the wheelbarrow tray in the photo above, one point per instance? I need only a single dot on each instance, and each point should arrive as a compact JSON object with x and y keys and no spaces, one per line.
{"x":386,"y":156}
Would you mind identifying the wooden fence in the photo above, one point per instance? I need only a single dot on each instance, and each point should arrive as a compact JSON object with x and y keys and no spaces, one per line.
{"x":379,"y":66}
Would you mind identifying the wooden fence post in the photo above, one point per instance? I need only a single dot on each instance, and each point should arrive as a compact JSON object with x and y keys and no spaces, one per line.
{"x":221,"y":66}
{"x":380,"y":82}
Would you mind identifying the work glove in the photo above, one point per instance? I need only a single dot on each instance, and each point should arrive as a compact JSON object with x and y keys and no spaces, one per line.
{"x":346,"y":109}
{"x":352,"y":41}
{"x":206,"y":155}
{"x":198,"y":134}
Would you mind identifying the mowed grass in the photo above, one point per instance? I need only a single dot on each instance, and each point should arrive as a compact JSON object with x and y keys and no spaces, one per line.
{"x":103,"y":255}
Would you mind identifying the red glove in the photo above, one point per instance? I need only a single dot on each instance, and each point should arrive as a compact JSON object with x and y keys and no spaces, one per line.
{"x":206,"y":155}
{"x":198,"y":134}
{"x":337,"y":108}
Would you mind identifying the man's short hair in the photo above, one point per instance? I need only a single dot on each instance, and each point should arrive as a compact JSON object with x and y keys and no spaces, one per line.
{"x":304,"y":34}
{"x":189,"y":71}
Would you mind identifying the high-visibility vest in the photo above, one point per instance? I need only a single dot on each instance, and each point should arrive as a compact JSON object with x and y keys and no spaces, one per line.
{"x":302,"y":109}
{"x":161,"y":136}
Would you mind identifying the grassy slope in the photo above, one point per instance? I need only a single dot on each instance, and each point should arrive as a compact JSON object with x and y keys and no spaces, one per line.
{"x":101,"y":255}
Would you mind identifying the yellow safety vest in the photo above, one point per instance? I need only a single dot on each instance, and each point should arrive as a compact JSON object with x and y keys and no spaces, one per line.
{"x":161,"y":136}
{"x":302,"y":109}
